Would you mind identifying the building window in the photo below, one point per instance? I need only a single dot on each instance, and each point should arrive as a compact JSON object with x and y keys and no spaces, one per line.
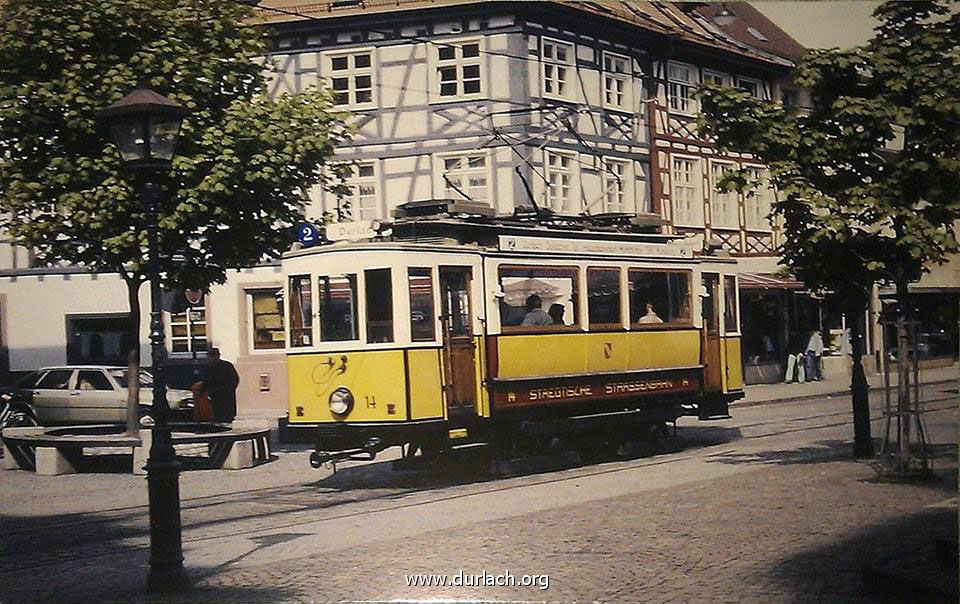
{"x":188,"y":330}
{"x":616,"y":187}
{"x":617,"y":75}
{"x":558,"y":65}
{"x":351,"y":78}
{"x":338,"y":308}
{"x":687,"y":206}
{"x":465,"y":175}
{"x":560,"y":182}
{"x":458,"y":69}
{"x":716,"y":78}
{"x":659,"y":297}
{"x":723,"y":205}
{"x":603,"y":297}
{"x":641,"y":189}
{"x":751,"y":86}
{"x":421,"y":304}
{"x":758,"y":201}
{"x":680,"y":82}
{"x":266,"y":319}
{"x":301,"y":311}
{"x":361,"y":201}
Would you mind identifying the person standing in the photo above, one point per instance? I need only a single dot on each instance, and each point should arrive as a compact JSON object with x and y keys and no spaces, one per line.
{"x":222,"y":383}
{"x":813,"y":353}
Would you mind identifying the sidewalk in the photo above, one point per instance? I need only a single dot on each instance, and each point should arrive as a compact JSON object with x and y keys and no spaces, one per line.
{"x":759,"y":394}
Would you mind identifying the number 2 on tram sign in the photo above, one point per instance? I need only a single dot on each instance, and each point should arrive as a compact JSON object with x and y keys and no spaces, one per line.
{"x":307,"y":234}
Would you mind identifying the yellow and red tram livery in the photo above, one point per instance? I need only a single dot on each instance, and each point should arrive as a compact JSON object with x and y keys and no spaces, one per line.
{"x":478,"y":330}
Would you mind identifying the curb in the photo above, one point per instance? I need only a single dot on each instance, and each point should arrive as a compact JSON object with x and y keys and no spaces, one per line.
{"x":807,"y":397}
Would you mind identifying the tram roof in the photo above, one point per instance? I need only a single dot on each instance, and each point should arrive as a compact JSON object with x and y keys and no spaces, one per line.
{"x":520,"y":233}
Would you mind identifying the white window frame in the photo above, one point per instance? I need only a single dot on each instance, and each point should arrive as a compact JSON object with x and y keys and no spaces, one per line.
{"x":354,"y":181}
{"x":685,"y":105}
{"x":458,"y":63}
{"x":575,"y":204}
{"x":550,"y":69}
{"x":170,"y":338}
{"x":758,"y":201}
{"x":440,"y":169}
{"x":624,"y":188}
{"x":641,"y":190}
{"x":625,"y":78}
{"x":351,"y":73}
{"x":724,"y":79}
{"x":718,"y":201}
{"x":249,"y":292}
{"x":694,"y":186}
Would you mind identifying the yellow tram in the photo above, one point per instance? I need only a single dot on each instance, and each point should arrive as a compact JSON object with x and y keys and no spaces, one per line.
{"x":451,"y":327}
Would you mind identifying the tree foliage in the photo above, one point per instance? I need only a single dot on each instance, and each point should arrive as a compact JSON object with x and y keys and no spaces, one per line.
{"x":854,"y":214}
{"x":245,"y":162}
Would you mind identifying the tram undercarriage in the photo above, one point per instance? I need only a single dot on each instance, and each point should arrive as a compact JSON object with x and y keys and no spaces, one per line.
{"x":592,"y":432}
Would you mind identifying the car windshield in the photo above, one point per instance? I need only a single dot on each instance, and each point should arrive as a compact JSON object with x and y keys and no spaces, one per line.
{"x":146,"y":378}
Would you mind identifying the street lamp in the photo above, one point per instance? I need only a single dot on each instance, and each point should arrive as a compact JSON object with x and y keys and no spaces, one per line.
{"x":145,"y":127}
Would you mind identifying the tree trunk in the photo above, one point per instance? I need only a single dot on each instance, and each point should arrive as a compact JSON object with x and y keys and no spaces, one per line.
{"x":903,"y":376}
{"x":133,"y":356}
{"x":859,"y":388}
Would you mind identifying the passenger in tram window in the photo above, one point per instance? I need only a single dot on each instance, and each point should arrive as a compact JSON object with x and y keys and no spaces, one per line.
{"x":651,"y":316}
{"x":556,"y":313}
{"x":535,"y":314}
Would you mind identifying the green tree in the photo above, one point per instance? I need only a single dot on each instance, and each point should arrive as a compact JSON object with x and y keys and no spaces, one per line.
{"x":245,"y":162}
{"x":854,"y":212}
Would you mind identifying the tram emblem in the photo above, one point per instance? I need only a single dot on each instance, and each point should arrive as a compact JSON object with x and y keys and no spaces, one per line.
{"x":607,"y":350}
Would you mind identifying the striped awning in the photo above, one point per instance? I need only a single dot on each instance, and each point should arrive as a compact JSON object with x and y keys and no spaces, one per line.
{"x":768,"y":281}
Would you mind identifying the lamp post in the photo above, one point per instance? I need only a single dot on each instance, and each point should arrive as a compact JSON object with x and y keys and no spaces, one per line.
{"x":145,"y":127}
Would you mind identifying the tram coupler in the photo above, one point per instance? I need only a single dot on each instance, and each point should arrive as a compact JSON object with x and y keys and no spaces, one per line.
{"x":367,"y":452}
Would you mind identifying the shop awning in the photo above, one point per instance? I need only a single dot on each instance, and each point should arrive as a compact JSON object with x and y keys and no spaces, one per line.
{"x":768,"y":281}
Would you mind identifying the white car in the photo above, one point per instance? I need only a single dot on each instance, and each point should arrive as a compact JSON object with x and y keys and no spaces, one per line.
{"x":93,"y":394}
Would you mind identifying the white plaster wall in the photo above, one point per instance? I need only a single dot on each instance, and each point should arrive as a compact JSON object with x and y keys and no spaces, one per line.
{"x":35,"y":310}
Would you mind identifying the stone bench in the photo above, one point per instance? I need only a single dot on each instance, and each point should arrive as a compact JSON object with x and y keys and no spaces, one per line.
{"x":53,"y":451}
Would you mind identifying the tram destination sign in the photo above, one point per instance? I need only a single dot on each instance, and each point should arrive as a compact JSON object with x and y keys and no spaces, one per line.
{"x":515,"y":243}
{"x":578,"y":389}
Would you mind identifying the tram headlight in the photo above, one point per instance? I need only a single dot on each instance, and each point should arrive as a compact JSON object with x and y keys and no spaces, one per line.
{"x":341,"y":401}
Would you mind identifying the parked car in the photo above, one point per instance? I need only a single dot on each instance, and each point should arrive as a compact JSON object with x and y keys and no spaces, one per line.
{"x":91,"y":394}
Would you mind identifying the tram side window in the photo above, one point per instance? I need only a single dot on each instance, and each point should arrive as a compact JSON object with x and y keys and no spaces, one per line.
{"x":730,"y":304}
{"x":603,"y":297}
{"x":421,"y":304}
{"x":659,"y":297}
{"x":538,"y":298}
{"x":301,"y":314}
{"x":338,"y":308}
{"x":379,"y":305}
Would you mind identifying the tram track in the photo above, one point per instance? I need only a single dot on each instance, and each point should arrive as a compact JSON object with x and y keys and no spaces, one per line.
{"x":134,"y":518}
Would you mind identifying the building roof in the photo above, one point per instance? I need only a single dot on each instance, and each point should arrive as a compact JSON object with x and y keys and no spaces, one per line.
{"x":753,"y":28}
{"x":689,"y":23}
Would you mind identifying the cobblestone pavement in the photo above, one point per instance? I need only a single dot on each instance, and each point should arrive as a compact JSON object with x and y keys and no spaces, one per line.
{"x":765,"y":507}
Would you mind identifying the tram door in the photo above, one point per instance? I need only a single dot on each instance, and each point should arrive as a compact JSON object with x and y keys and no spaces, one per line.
{"x":458,"y":347}
{"x":712,"y":377}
